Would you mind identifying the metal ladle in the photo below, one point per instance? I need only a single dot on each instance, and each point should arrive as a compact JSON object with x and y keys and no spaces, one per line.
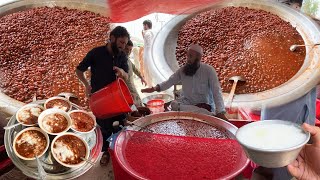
{"x":67,"y":95}
{"x":295,"y":46}
{"x":12,"y":126}
{"x":87,"y":160}
{"x":235,"y":80}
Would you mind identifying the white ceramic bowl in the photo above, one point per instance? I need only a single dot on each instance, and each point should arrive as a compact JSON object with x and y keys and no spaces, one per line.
{"x":272,"y":155}
{"x":28,"y":129}
{"x":24,"y":107}
{"x":70,"y":165}
{"x":53,"y":111}
{"x":85,"y":112}
{"x":60,"y":98}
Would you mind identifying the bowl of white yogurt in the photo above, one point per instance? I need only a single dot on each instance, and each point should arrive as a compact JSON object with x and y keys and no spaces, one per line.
{"x":272,"y":143}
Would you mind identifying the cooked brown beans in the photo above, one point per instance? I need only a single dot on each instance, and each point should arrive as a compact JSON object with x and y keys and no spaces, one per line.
{"x":41,"y":47}
{"x":247,"y":42}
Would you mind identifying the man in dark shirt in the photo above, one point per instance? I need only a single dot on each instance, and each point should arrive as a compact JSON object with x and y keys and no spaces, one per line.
{"x":106,"y":64}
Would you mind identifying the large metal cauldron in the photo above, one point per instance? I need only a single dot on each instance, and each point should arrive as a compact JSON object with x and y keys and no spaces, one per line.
{"x":145,"y":121}
{"x":162,"y":62}
{"x":172,"y":115}
{"x":9,"y":105}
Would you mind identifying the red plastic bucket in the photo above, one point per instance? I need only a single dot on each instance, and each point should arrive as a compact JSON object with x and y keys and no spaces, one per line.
{"x":112,"y":100}
{"x":156,"y":105}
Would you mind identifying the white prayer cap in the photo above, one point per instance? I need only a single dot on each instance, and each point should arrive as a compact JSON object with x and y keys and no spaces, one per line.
{"x":197,"y":48}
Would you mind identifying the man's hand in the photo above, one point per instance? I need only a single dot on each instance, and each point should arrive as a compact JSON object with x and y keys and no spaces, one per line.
{"x":144,"y":111}
{"x":306,"y":166}
{"x":120,"y":73}
{"x":143,"y":82}
{"x":148,"y":90}
{"x":86,"y":84}
{"x":88,"y":91}
{"x":222,"y":116}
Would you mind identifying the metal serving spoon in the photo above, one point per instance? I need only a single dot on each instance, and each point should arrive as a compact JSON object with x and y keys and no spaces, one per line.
{"x":12,"y":126}
{"x":295,"y":46}
{"x":87,"y":160}
{"x":67,"y":95}
{"x":235,"y":80}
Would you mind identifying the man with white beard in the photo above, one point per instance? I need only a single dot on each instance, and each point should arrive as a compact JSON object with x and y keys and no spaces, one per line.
{"x":200,"y":84}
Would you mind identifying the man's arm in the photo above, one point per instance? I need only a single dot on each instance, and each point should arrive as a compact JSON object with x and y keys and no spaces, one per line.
{"x":137,"y":72}
{"x":217,"y":93}
{"x":81,"y":68}
{"x":121,"y":69}
{"x":121,"y":73}
{"x":83,"y":80}
{"x":81,"y":77}
{"x":174,"y":79}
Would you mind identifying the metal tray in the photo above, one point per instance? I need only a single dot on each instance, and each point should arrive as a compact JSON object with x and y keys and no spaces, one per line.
{"x":51,"y":166}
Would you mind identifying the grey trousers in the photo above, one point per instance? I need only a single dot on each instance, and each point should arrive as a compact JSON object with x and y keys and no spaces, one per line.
{"x":176,"y":106}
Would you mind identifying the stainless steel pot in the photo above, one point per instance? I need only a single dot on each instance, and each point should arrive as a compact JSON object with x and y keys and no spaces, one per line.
{"x":145,"y":121}
{"x":162,"y":59}
{"x":9,"y":105}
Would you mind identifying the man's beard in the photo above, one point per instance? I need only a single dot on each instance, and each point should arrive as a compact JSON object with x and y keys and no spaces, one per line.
{"x":191,"y":69}
{"x":114,"y":48}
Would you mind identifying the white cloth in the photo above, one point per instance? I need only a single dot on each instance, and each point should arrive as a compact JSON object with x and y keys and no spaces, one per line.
{"x":202,"y":87}
{"x":148,"y":38}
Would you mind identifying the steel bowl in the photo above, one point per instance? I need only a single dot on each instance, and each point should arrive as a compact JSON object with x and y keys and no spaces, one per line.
{"x":165,"y":97}
{"x":272,"y":158}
